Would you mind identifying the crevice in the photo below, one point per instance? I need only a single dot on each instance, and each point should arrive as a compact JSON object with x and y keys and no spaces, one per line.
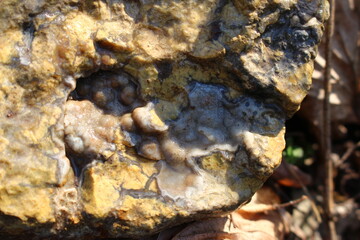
{"x":92,"y":114}
{"x":28,"y":29}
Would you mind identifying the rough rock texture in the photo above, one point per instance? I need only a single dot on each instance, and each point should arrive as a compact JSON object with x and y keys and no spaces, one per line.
{"x":121,"y":118}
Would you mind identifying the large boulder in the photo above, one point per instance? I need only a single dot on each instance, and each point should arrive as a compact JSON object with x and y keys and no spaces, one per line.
{"x":122,"y":118}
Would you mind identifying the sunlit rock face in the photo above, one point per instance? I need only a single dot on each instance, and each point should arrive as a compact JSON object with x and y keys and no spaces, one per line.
{"x":123,"y":118}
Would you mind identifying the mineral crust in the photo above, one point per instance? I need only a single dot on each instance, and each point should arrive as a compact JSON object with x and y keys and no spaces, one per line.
{"x":122,"y":118}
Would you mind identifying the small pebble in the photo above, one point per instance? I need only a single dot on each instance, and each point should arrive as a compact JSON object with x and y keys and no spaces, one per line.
{"x":100,"y":98}
{"x":119,"y":81}
{"x":127,"y":123}
{"x":151,"y":150}
{"x":174,"y":154}
{"x":128,"y":95}
{"x":147,"y":119}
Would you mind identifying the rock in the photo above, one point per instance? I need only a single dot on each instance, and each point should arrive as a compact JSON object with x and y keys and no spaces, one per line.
{"x":123,"y":118}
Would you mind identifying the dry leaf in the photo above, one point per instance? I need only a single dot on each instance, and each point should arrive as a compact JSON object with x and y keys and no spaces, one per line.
{"x":290,"y":175}
{"x":345,"y":72}
{"x":263,"y":218}
{"x":249,"y":222}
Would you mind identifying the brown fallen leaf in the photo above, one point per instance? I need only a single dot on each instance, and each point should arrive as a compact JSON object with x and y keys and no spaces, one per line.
{"x":289,"y":175}
{"x":261,"y":219}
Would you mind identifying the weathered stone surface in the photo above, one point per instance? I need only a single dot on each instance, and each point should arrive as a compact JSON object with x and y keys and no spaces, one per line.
{"x":121,"y":118}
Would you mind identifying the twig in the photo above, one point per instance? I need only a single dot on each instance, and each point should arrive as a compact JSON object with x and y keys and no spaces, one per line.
{"x":261,"y":208}
{"x":205,"y":236}
{"x":306,"y":191}
{"x":291,"y":203}
{"x":326,"y":140}
{"x":347,"y":154}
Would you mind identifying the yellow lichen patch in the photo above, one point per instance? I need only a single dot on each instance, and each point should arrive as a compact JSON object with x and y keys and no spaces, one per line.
{"x":274,"y":149}
{"x":176,"y":83}
{"x":296,"y":85}
{"x":151,"y":86}
{"x":26,"y":202}
{"x":4,"y":163}
{"x":224,"y":170}
{"x":189,"y":16}
{"x":172,"y":86}
{"x":215,"y":163}
{"x":148,"y":167}
{"x":171,"y":91}
{"x":265,"y":152}
{"x":80,"y":49}
{"x":116,"y":36}
{"x":147,"y":75}
{"x":43,"y":62}
{"x":151,"y":211}
{"x":128,"y":176}
{"x":98,"y":193}
{"x":154,"y":44}
{"x":8,"y":42}
{"x":39,"y":128}
{"x":35,"y":168}
{"x":10,"y":93}
{"x":103,"y":183}
{"x":193,"y":71}
{"x":167,"y":110}
{"x":119,"y":140}
{"x":155,"y":118}
{"x":302,"y":74}
{"x":3,"y":141}
{"x":69,"y":46}
{"x":80,"y":26}
{"x":247,"y":5}
{"x":153,"y":187}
